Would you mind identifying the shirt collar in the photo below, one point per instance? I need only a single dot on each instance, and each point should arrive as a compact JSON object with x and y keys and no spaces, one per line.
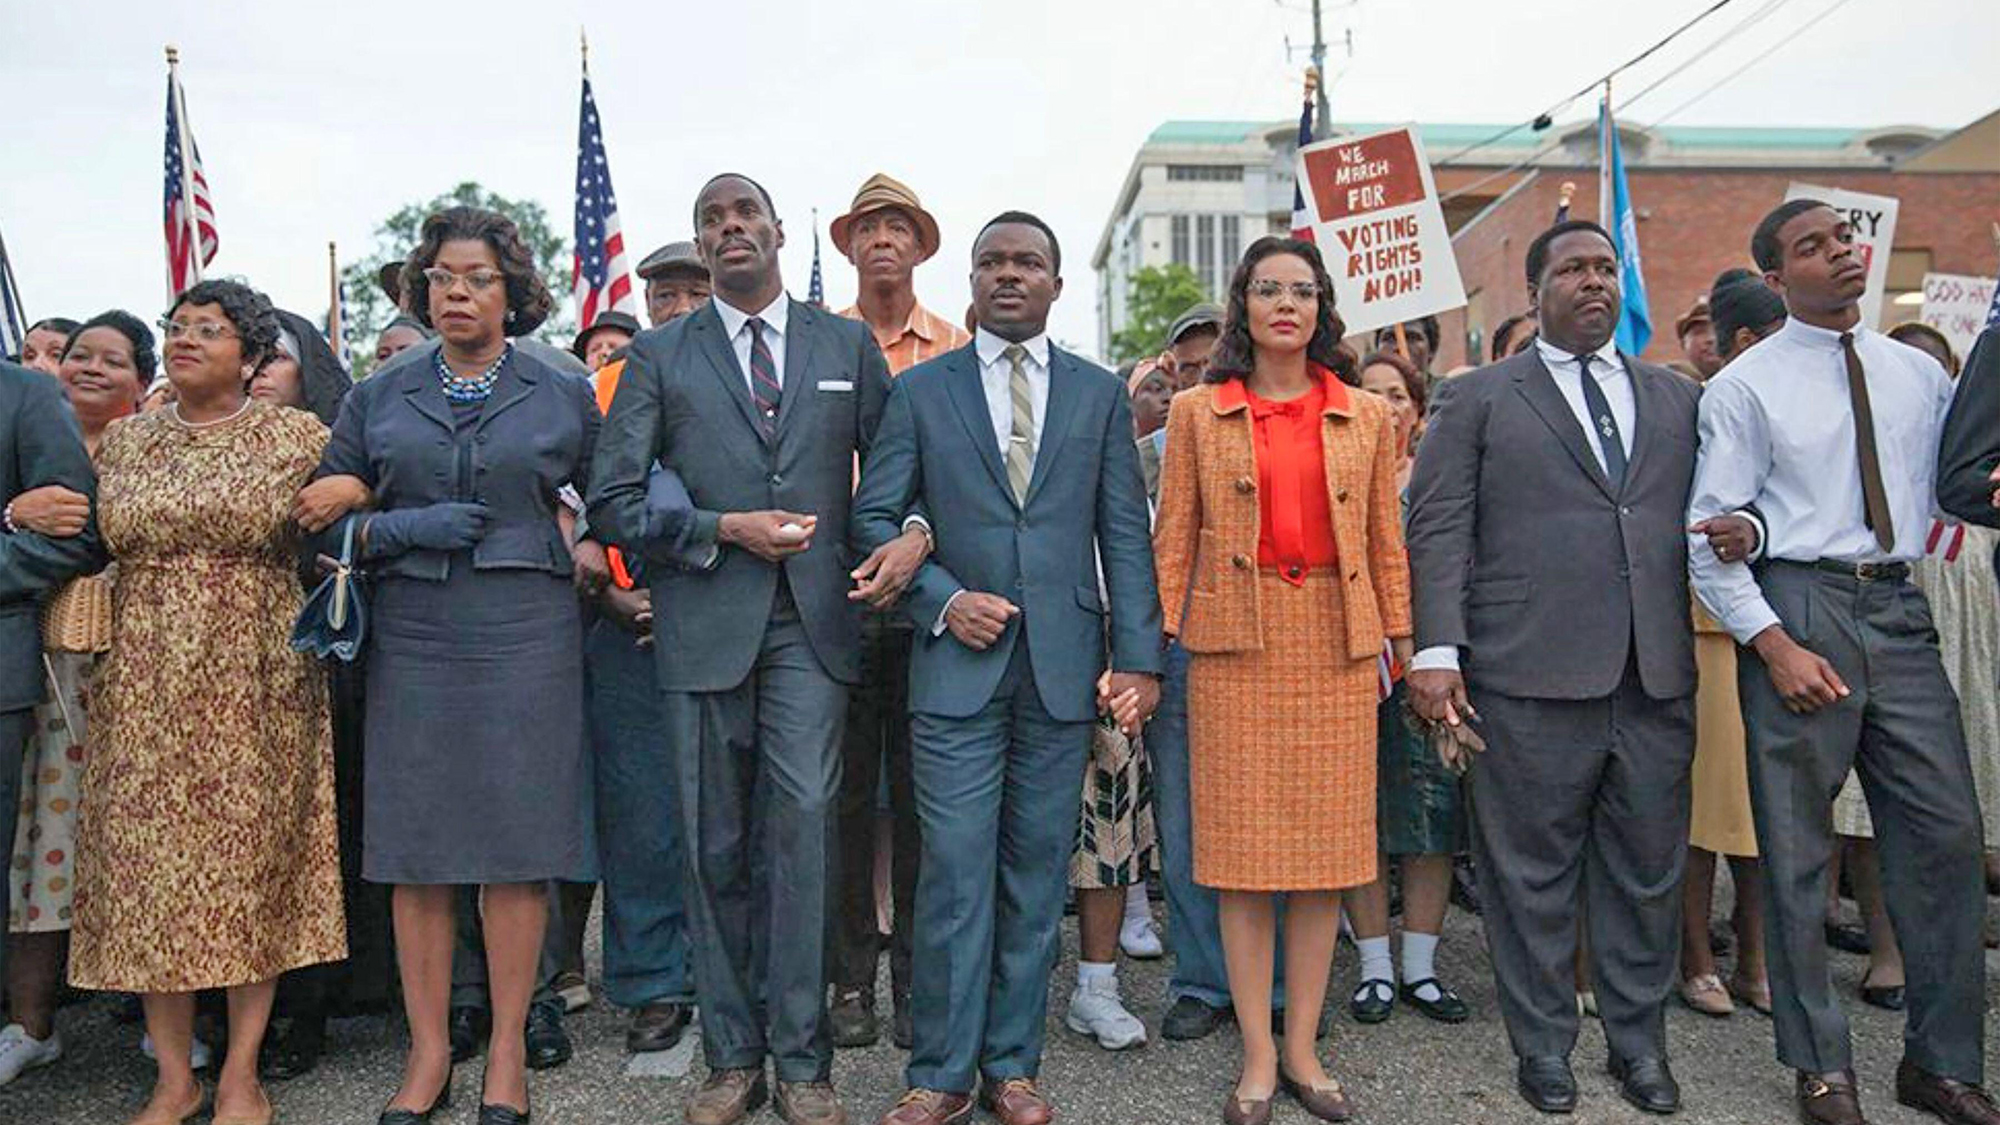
{"x":991,"y":346}
{"x":1812,"y":336}
{"x":922,"y":323}
{"x":1552,"y":355}
{"x":733,"y":318}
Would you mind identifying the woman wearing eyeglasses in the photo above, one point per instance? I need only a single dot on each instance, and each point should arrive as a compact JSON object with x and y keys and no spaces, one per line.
{"x":1281,"y":569}
{"x":475,"y":771}
{"x":206,"y":847}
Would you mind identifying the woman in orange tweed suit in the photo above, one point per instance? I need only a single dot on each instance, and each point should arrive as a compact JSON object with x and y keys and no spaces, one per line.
{"x":1281,"y":569}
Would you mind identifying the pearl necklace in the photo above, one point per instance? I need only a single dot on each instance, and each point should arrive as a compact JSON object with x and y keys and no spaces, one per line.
{"x":470,"y":388}
{"x":213,"y":422}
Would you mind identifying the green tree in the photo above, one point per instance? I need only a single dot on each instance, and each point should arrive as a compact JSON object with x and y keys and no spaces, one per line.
{"x":368,"y":308}
{"x":1157,"y":295}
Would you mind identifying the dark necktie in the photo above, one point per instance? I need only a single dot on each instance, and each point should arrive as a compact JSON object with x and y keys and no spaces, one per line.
{"x":765,"y":389}
{"x":1874,"y":499}
{"x":1604,"y":423}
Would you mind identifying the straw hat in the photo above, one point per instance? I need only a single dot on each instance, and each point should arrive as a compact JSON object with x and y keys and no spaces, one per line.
{"x":882,"y":191}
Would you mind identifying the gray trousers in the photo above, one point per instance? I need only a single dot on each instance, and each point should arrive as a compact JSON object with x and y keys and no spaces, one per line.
{"x":1587,"y":796}
{"x":1900,"y":729}
{"x":771,"y":744}
{"x":15,"y":727}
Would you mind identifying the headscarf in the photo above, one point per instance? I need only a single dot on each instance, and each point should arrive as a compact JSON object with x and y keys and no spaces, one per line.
{"x":323,"y":380}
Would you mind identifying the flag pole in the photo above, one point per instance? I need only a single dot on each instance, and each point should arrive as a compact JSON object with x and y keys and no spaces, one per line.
{"x":1604,"y":127}
{"x":191,"y":222}
{"x":335,"y":330}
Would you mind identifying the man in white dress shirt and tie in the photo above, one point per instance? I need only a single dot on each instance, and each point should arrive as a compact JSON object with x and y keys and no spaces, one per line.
{"x":1829,"y":432}
{"x":1548,"y":562}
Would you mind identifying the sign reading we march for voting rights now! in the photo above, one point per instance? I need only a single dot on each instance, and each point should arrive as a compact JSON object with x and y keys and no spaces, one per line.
{"x":1376,"y":219}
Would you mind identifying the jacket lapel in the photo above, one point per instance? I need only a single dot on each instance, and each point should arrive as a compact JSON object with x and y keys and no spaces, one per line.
{"x":713,"y":343}
{"x":1644,"y":398}
{"x":1064,"y":390}
{"x":968,"y":395}
{"x":517,"y":381}
{"x":1538,"y":386}
{"x":801,"y":337}
{"x":421,"y":389}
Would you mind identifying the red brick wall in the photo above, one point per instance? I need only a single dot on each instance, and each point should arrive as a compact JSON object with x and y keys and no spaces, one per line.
{"x":1695,"y":223}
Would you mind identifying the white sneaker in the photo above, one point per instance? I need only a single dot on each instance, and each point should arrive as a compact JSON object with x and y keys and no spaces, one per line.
{"x":1094,"y":1009}
{"x":1140,"y":939}
{"x":199,"y":1056}
{"x":21,"y":1052}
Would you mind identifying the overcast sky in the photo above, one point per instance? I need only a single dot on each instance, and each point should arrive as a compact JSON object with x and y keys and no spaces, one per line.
{"x":316,"y":121}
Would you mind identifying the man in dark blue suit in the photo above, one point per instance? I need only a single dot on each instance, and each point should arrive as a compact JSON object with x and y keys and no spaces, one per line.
{"x":1021,"y":457}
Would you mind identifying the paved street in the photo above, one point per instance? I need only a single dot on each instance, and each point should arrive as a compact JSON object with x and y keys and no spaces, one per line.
{"x":1405,"y":1071}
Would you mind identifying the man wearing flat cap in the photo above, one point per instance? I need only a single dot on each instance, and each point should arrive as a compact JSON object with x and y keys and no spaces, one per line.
{"x":676,"y":282}
{"x":1696,"y":332}
{"x":886,"y":233}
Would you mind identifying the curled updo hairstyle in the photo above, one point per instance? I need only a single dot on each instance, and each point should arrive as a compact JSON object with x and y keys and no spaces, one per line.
{"x":1235,"y":353}
{"x":246,"y":310}
{"x":528,"y":299}
{"x":145,"y":360}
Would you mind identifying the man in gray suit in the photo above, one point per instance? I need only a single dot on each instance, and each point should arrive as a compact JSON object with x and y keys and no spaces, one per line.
{"x":1550,"y":573}
{"x":1022,"y":457}
{"x":40,"y":447}
{"x":759,"y":405}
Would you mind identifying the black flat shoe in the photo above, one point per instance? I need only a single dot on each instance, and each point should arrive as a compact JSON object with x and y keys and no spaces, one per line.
{"x":1190,"y":1019}
{"x":1447,"y":1008}
{"x":501,"y":1115}
{"x":294,"y":1053}
{"x":416,"y":1117}
{"x":1546,"y":1083}
{"x":469,"y":1029}
{"x":548,"y":1044}
{"x":1372,"y":1002}
{"x":1847,"y":939}
{"x":1889,"y":998}
{"x":1647,"y":1083}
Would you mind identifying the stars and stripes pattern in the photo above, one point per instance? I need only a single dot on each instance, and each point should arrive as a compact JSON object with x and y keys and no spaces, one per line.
{"x":602,"y":279}
{"x":1301,"y":219}
{"x":816,"y":291}
{"x":336,"y":326}
{"x":191,"y":239}
{"x":13,"y":317}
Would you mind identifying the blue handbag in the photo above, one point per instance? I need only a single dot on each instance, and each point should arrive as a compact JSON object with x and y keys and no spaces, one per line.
{"x":334,"y":620}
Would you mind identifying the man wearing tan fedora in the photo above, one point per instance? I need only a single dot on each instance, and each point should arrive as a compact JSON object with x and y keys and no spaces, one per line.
{"x":886,"y":233}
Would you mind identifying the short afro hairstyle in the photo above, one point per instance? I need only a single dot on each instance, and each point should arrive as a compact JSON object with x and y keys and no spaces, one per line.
{"x":246,"y":309}
{"x":1009,"y":218}
{"x":528,"y":299}
{"x":145,"y":360}
{"x":1765,"y":246}
{"x":1538,"y":250}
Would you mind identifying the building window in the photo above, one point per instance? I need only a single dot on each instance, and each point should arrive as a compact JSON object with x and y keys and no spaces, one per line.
{"x":1204,"y":249}
{"x":1232,"y":243}
{"x":1205,"y":173}
{"x":1180,"y":254}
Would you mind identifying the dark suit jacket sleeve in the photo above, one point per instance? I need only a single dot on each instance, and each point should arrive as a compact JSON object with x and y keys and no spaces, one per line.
{"x":1444,"y":507}
{"x":627,"y":445}
{"x":48,"y":449}
{"x":347,"y":447}
{"x":891,"y":479}
{"x":874,"y":391}
{"x":1970,"y":448}
{"x":1125,"y":544}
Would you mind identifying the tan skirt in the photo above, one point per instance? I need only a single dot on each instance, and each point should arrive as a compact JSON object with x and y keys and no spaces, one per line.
{"x":1282,"y":750}
{"x":1721,"y":778}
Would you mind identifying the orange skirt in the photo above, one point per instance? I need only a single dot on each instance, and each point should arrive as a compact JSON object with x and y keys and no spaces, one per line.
{"x":1282,"y":750}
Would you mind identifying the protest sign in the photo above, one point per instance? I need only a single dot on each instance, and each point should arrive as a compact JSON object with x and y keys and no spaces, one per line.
{"x":1374,"y":214}
{"x":1956,"y":305}
{"x":1873,"y":218}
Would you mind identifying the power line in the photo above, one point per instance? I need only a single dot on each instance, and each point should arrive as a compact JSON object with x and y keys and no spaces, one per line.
{"x":1753,"y":61}
{"x":1770,"y":8}
{"x":1564,"y":103}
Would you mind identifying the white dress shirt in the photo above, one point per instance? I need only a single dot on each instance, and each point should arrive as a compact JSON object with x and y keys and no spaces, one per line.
{"x":1616,"y":382}
{"x":736,"y":322}
{"x":996,"y":376}
{"x":1777,"y":433}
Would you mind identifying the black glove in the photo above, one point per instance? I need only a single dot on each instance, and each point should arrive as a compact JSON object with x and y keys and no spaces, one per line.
{"x":434,"y":527}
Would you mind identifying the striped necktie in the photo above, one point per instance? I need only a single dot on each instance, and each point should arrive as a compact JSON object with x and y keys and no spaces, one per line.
{"x":765,"y":389}
{"x":1021,"y":442}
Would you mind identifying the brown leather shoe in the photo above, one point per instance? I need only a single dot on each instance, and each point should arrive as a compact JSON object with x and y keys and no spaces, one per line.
{"x":1016,"y":1102}
{"x":727,"y":1096}
{"x":809,"y":1103}
{"x":1829,"y":1099}
{"x":1237,"y":1111}
{"x":1958,"y":1103}
{"x":1327,"y":1102}
{"x":928,"y":1107}
{"x":657,"y":1026}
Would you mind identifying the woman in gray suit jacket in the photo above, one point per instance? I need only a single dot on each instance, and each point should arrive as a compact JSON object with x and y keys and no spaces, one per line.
{"x":475,"y":772}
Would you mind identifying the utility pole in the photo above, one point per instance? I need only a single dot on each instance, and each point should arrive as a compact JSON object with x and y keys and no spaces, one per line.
{"x":1322,"y":115}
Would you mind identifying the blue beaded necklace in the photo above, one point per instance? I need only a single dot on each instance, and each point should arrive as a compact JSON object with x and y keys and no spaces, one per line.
{"x":474,"y":388}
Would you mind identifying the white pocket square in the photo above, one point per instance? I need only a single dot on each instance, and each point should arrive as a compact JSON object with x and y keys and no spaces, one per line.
{"x":836,"y":384}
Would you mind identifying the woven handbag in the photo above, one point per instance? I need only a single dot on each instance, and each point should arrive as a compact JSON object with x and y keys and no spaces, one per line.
{"x":334,"y":620}
{"x":78,"y":618}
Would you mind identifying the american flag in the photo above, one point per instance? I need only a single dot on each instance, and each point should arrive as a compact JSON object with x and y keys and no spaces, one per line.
{"x":816,"y":291}
{"x":603,"y":281}
{"x":13,"y":318}
{"x":336,"y":326}
{"x":185,"y":180}
{"x":1301,"y":220}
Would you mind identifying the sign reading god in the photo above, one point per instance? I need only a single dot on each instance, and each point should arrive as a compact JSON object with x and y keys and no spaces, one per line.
{"x":1375,"y":216}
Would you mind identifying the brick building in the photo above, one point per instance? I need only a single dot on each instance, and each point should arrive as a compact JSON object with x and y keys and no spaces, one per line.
{"x":1198,"y":191}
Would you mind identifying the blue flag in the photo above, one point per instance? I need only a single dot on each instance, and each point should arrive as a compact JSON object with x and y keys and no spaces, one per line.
{"x":1635,"y":324}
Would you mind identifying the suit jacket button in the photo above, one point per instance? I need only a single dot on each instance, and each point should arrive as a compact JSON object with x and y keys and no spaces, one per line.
{"x":1240,"y":562}
{"x":777,"y":478}
{"x":1244,"y":485}
{"x":1294,"y":571}
{"x":1341,"y":495}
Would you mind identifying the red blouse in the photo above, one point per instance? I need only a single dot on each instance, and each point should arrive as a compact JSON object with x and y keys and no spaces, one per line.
{"x":1295,"y":529}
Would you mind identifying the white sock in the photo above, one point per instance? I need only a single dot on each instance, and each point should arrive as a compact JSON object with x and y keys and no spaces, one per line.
{"x":1375,"y":963}
{"x":1420,"y":962}
{"x":1088,"y":973}
{"x":1136,"y":906}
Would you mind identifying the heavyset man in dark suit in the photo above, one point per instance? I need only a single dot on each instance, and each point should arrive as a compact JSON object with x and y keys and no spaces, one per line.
{"x":1022,"y":457}
{"x":1547,"y":555}
{"x":40,"y":445}
{"x":759,"y":405}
